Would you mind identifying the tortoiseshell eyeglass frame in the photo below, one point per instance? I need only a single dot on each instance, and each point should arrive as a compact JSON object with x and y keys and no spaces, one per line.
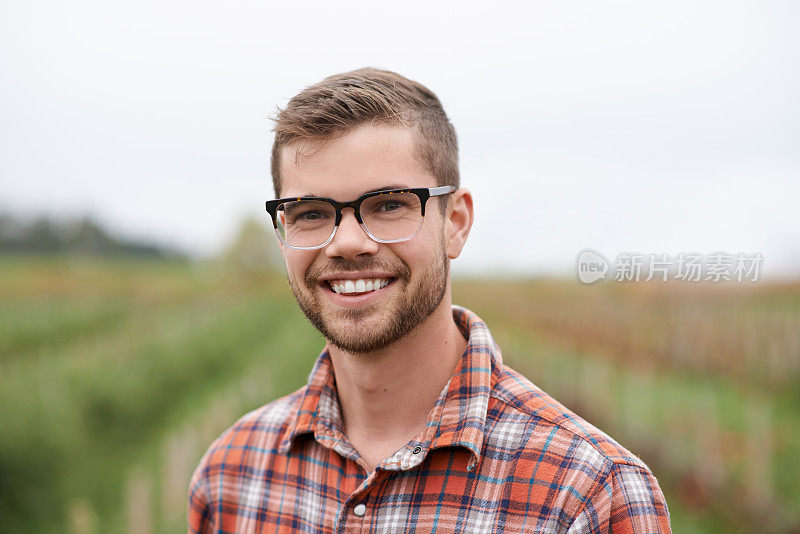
{"x":424,"y":193}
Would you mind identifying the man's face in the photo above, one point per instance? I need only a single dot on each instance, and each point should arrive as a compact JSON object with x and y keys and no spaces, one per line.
{"x":368,"y":158}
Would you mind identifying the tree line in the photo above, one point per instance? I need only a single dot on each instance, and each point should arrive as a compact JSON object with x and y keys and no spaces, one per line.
{"x":79,"y":235}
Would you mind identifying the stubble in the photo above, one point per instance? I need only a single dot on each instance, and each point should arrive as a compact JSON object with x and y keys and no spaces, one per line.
{"x":410,"y":308}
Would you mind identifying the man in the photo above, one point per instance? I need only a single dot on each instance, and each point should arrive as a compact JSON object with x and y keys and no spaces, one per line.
{"x":409,"y":421}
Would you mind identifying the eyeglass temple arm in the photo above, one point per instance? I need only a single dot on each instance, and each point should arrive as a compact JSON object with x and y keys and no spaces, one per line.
{"x":443,"y":190}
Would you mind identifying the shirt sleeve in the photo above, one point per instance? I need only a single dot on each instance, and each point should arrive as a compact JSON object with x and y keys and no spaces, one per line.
{"x":629,"y":501}
{"x":198,"y":512}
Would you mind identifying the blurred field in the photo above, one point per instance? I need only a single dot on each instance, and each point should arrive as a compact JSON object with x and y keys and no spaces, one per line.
{"x":116,"y":375}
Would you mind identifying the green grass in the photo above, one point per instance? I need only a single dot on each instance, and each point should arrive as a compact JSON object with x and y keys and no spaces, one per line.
{"x":88,"y":382}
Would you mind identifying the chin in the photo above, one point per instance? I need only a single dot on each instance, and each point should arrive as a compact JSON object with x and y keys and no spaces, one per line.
{"x":375,"y":325}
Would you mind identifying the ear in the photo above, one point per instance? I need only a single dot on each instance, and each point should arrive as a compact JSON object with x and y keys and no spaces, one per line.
{"x":458,"y":222}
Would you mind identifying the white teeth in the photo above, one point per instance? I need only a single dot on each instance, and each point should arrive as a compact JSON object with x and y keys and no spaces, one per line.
{"x":358,"y":286}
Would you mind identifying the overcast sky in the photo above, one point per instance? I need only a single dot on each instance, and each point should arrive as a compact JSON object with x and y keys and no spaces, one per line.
{"x":621,"y":126}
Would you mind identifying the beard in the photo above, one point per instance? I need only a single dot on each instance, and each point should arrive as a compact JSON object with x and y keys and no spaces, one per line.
{"x":402,"y":312}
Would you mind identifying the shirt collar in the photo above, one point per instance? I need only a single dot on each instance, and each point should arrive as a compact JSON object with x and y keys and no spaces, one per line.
{"x":457,"y":419}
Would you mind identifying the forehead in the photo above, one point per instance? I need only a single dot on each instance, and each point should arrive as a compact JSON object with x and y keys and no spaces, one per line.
{"x":369,"y":157}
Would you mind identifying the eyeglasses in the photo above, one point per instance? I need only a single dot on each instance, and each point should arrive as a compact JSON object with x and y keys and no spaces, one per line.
{"x":389,"y":216}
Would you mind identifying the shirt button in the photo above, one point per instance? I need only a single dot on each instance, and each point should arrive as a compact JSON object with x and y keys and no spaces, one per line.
{"x":360,"y":509}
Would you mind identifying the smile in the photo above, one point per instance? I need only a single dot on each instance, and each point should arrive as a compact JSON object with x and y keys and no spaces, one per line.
{"x":360,"y":286}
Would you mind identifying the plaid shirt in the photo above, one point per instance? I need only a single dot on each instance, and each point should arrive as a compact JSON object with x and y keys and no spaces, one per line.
{"x":497,"y":455}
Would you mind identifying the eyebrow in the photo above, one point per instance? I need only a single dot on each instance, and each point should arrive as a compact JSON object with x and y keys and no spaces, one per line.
{"x":381,"y":188}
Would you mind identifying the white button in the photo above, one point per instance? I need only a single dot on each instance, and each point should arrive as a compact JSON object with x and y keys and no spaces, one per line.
{"x":360,"y":509}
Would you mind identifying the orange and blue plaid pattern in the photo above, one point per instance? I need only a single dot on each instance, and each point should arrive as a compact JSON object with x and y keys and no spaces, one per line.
{"x":497,"y":455}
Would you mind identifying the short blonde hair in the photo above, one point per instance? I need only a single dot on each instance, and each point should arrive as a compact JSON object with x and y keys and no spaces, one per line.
{"x":342,"y":102}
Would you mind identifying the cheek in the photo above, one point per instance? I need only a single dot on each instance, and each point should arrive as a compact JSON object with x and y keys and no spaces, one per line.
{"x":297,"y":262}
{"x":422,"y":252}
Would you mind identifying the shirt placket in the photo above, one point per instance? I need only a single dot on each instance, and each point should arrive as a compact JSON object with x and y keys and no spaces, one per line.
{"x":358,"y":514}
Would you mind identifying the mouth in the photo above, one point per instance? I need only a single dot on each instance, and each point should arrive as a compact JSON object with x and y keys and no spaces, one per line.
{"x":358,"y":286}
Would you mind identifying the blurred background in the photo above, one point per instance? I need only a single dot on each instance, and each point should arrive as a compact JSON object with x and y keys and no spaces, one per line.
{"x":143,"y":301}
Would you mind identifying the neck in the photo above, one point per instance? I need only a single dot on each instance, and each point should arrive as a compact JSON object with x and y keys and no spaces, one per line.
{"x":380,"y":414}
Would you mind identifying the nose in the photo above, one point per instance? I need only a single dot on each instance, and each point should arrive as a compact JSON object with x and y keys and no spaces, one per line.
{"x":350,"y":241}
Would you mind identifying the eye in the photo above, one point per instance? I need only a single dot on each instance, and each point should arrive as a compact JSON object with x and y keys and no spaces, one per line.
{"x":307,"y":212}
{"x":390,"y":205}
{"x":311,"y":215}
